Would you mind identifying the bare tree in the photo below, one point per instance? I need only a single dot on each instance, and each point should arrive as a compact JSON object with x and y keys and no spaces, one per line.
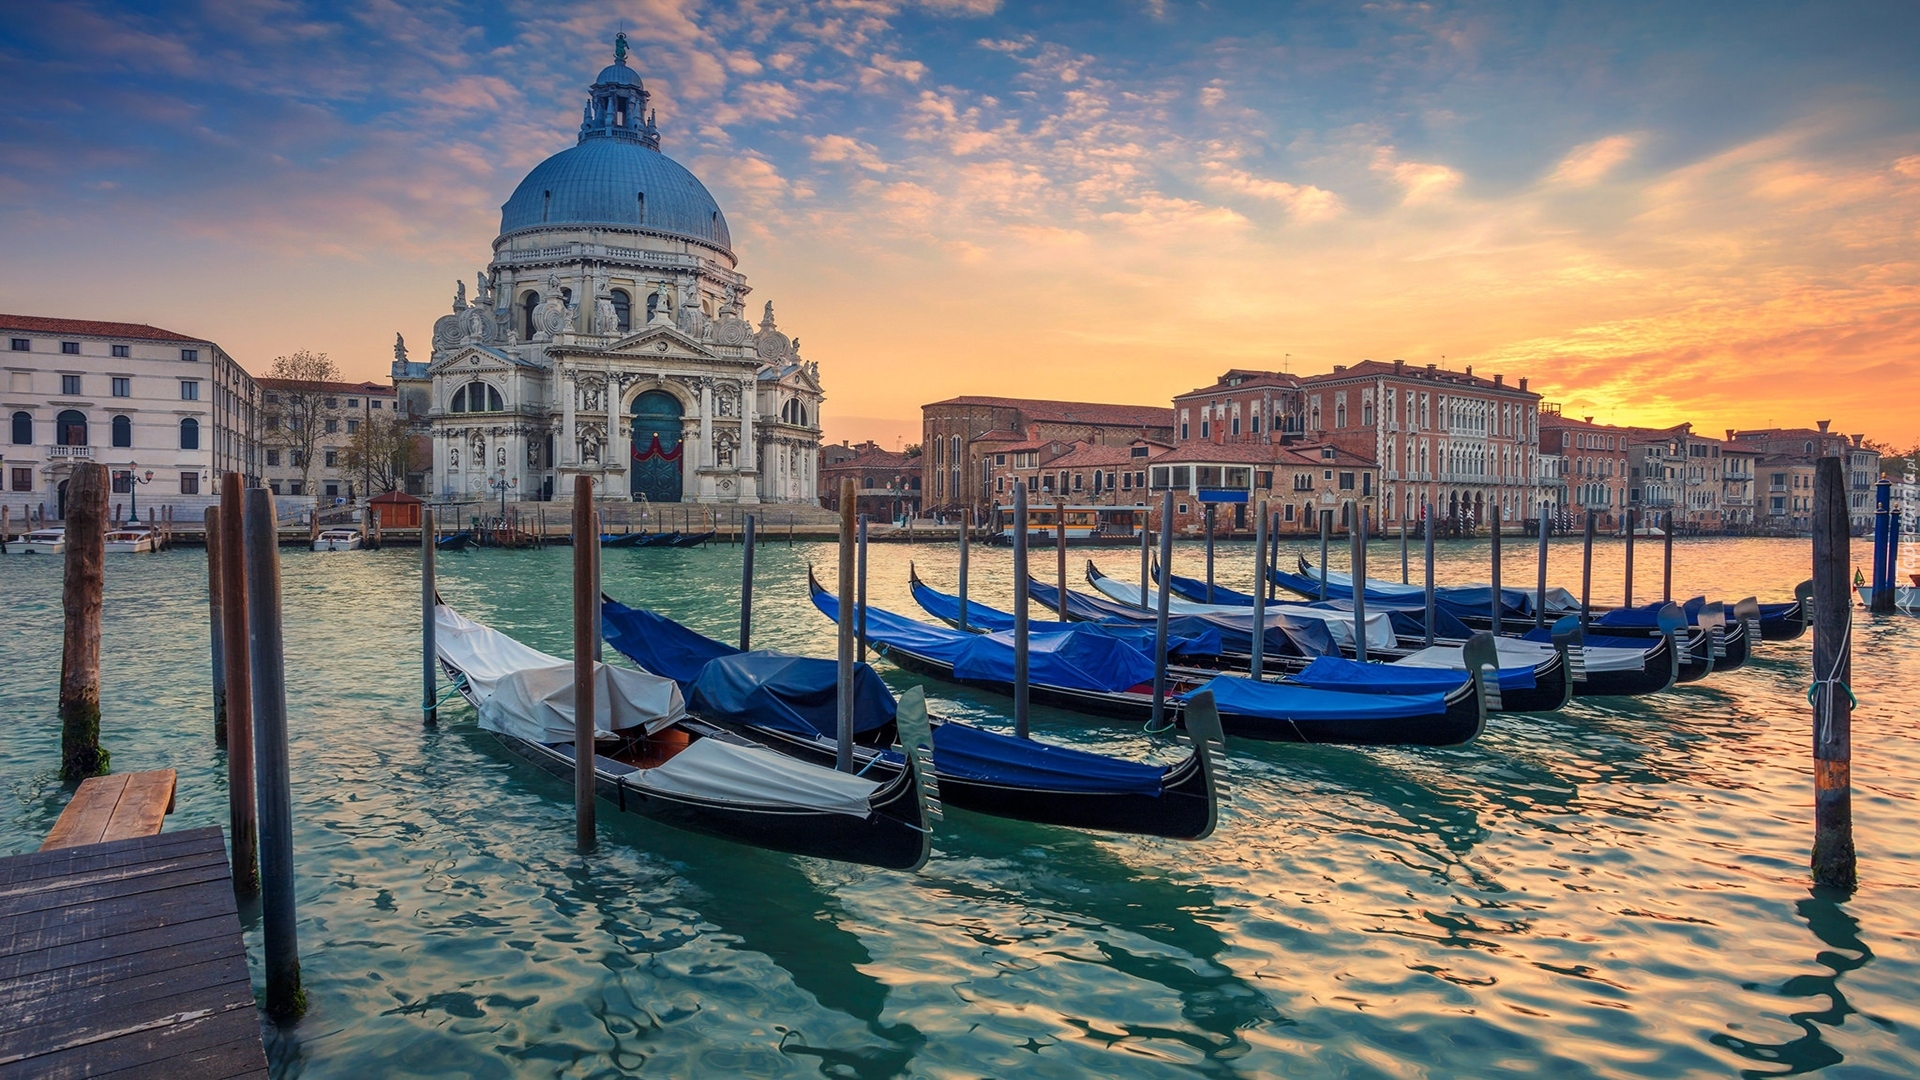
{"x":295,"y":422}
{"x":383,"y":450}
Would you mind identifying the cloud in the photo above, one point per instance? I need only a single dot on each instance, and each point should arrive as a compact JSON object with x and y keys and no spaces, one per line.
{"x":1303,"y":201}
{"x":840,"y":148}
{"x":1422,"y":182}
{"x":1591,"y":162}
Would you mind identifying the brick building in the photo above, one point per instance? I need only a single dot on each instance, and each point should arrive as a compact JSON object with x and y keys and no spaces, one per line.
{"x":1593,"y":470}
{"x":1785,"y":482}
{"x":1806,"y":444}
{"x":886,"y":484}
{"x":1739,"y":467}
{"x":967,"y":439}
{"x":1452,"y":440}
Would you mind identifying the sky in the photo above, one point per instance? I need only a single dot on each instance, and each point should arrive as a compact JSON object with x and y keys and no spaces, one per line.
{"x":1660,"y":212}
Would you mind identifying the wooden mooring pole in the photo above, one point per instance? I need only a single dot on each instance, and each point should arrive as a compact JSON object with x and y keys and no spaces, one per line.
{"x":1586,"y":574}
{"x":243,"y":829}
{"x":1260,"y":593}
{"x":1326,"y":524}
{"x":1540,"y":583}
{"x":1160,"y":616}
{"x":1626,"y":595}
{"x":280,"y":941}
{"x":429,"y":645}
{"x":966,"y":528}
{"x":1357,"y":537}
{"x":860,"y":590}
{"x":1020,"y":601}
{"x":1666,"y":580}
{"x":1426,"y":532}
{"x":1834,"y":861}
{"x":843,"y":728}
{"x":1403,"y":549}
{"x":6,"y":527}
{"x":1146,"y":557}
{"x":586,"y":545}
{"x":211,"y":524}
{"x":81,"y":587}
{"x":1493,"y":513}
{"x":1886,"y":536}
{"x":747,"y":541}
{"x":1211,"y":507}
{"x":1060,"y":554}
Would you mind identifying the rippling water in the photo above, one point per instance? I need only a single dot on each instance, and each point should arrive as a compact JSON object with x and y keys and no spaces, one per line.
{"x":1614,"y":890}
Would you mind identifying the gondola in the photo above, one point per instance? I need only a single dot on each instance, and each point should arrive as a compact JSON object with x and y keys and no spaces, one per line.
{"x":659,"y":540}
{"x":984,"y":771}
{"x":621,"y":540}
{"x":1529,"y":680}
{"x":655,"y":761}
{"x":1098,"y":675}
{"x":459,"y":541}
{"x":688,"y":540}
{"x":1608,"y":667}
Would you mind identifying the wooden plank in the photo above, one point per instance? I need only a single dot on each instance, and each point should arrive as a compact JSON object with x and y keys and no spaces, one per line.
{"x":39,"y":865}
{"x":87,"y":814}
{"x":143,"y":806}
{"x":110,"y":883}
{"x":51,"y":930}
{"x":125,"y":959}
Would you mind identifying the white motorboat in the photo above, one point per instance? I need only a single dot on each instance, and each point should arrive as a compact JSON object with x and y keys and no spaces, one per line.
{"x":51,"y":541}
{"x":129,"y":541}
{"x":338,"y":540}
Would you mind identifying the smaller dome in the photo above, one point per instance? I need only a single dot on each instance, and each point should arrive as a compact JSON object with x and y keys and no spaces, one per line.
{"x":618,"y":74}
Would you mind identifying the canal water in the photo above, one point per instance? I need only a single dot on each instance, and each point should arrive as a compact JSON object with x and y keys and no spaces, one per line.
{"x":1619,"y":889}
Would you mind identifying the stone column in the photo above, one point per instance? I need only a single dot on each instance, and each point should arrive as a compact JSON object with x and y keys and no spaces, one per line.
{"x":706,"y":423}
{"x":569,"y":393}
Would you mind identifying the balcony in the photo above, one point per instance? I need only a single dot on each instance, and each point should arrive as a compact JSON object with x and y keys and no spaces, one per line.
{"x":78,"y":453}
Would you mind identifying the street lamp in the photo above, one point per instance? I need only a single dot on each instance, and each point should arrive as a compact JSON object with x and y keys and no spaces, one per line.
{"x":500,"y":483}
{"x":133,"y":491}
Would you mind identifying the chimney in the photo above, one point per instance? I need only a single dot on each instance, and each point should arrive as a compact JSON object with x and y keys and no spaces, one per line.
{"x":1588,"y":419}
{"x":1523,"y":384}
{"x":1433,"y":367}
{"x":1823,"y":425}
{"x":1469,"y":371}
{"x":1338,"y":368}
{"x":1729,"y":434}
{"x":1856,"y":441}
{"x":1499,"y":380}
{"x":1399,"y":366}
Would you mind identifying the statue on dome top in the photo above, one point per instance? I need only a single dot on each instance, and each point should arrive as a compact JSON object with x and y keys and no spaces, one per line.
{"x":766,"y":317}
{"x":399,"y":348}
{"x":620,"y":47}
{"x":459,"y":296}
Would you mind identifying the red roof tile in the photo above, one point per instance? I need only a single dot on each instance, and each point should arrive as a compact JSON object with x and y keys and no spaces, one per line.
{"x":1072,"y":412}
{"x":34,"y":324}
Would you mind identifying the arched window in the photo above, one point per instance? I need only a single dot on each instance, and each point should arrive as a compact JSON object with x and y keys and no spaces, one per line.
{"x":189,"y":434}
{"x":123,"y":431}
{"x":529,"y":303}
{"x":477,"y":397}
{"x":653,"y":304}
{"x":642,"y":197}
{"x":494,"y":403}
{"x":70,"y":428}
{"x":22,"y":428}
{"x":459,"y":401}
{"x":622,"y":309}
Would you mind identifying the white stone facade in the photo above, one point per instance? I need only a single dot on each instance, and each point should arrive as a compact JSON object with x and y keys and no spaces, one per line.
{"x":135,"y":398}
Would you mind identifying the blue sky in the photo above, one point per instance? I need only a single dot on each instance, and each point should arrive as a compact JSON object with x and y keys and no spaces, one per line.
{"x":1659,"y":211}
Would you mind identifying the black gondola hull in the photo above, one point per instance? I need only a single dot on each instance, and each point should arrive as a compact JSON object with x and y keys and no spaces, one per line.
{"x":890,"y":837}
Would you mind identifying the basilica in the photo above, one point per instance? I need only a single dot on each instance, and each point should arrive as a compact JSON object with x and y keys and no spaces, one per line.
{"x":608,"y":339}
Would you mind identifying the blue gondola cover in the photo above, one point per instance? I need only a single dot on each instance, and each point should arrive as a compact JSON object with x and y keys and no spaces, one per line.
{"x":787,"y":693}
{"x":990,"y":757}
{"x":1339,"y":673}
{"x":1240,"y":696}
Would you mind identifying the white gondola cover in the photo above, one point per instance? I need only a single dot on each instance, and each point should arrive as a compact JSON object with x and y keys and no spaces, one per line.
{"x":1339,"y":624}
{"x":529,"y":694}
{"x":1516,"y":653}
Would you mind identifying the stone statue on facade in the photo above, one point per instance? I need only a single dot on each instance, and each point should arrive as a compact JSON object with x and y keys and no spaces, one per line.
{"x":483,"y":289}
{"x":399,"y":348}
{"x":459,"y":296}
{"x":605,"y":321}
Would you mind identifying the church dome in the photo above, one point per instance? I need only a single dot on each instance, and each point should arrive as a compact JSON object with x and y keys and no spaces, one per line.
{"x":617,"y":183}
{"x":616,"y":175}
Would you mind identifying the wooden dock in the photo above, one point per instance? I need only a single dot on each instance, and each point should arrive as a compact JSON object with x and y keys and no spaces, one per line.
{"x":125,"y":957}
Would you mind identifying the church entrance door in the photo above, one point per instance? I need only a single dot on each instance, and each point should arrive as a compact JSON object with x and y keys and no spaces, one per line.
{"x":656,"y":447}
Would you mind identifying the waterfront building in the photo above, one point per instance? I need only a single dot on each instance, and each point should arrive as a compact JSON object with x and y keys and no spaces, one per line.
{"x":1593,"y":468}
{"x":608,"y":338}
{"x":1789,"y":492}
{"x":337,"y":411}
{"x":1738,"y":469}
{"x":1450,"y":440}
{"x":136,"y":398}
{"x":1301,"y":480}
{"x":886,"y":484}
{"x":968,"y":442}
{"x":1080,"y":473}
{"x":1862,"y":462}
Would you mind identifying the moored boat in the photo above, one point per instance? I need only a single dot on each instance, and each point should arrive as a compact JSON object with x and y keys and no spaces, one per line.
{"x":790,"y":703}
{"x":48,"y":541}
{"x":651,"y":759}
{"x":338,"y":540}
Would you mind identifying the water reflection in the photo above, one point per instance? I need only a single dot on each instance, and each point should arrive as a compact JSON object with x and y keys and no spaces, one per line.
{"x":1825,"y":915}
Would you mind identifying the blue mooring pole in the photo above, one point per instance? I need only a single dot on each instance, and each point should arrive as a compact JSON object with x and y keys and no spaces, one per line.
{"x":1881,"y":600}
